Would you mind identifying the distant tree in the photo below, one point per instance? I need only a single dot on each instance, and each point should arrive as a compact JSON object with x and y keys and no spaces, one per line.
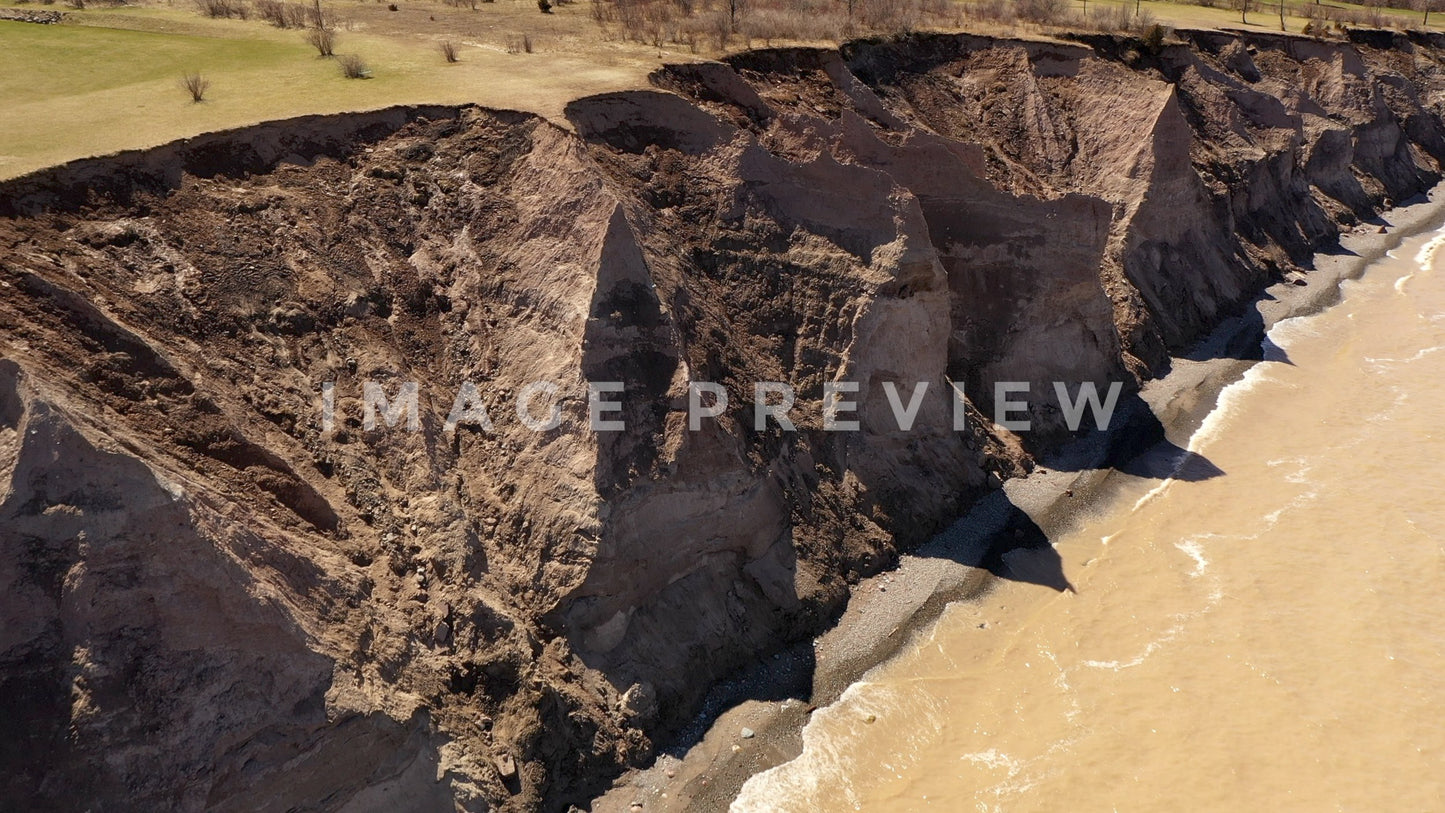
{"x":1427,"y":6}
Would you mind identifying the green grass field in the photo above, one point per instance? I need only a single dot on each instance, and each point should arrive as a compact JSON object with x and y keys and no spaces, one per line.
{"x":1262,"y":17}
{"x":74,"y":90}
{"x":109,"y":78}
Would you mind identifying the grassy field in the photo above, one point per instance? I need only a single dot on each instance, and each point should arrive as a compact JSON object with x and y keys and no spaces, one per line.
{"x":1265,"y":17}
{"x":109,"y":78}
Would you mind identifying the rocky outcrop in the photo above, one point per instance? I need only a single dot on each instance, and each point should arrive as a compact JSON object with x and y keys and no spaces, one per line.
{"x":214,"y":599}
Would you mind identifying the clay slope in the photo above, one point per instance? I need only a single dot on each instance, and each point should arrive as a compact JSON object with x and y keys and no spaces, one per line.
{"x":214,"y":601}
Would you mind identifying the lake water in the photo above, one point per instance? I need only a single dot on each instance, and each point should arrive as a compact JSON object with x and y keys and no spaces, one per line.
{"x":1273,"y":636}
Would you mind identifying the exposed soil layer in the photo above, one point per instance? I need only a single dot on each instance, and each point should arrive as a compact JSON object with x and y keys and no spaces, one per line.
{"x":213,"y":601}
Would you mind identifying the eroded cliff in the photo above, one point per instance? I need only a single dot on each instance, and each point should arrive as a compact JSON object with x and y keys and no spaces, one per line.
{"x":212,"y":601}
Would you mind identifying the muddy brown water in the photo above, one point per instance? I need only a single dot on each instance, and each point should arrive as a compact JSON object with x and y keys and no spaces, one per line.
{"x":1270,"y":636}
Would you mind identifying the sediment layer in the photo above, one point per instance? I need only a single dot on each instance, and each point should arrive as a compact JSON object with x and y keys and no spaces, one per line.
{"x":213,"y":602}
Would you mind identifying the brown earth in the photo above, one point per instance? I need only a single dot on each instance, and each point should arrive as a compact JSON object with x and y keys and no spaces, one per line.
{"x":210,"y":602}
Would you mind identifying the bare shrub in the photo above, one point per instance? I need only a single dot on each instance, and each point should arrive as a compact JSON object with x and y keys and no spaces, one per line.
{"x":1375,"y":13}
{"x":1108,"y":17}
{"x":222,"y":9}
{"x":323,"y":40}
{"x":994,"y":11}
{"x":1154,"y":38}
{"x":196,"y":85}
{"x":449,"y":51}
{"x":1041,"y":11}
{"x":725,"y":24}
{"x":769,"y":24}
{"x":722,"y":30}
{"x":897,"y":16}
{"x":353,"y":67}
{"x":269,"y":10}
{"x":519,"y":43}
{"x":282,"y":14}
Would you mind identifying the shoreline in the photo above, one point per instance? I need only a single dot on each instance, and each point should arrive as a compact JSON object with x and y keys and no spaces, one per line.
{"x":714,"y":757}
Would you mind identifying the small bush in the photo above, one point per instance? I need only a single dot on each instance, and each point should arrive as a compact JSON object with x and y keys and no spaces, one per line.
{"x":196,"y":85}
{"x":354,"y":67}
{"x":270,"y":11}
{"x":222,"y":9}
{"x":1108,"y":17}
{"x":994,"y":10}
{"x":1154,"y":38}
{"x":726,"y":24}
{"x":323,"y":40}
{"x":282,"y":14}
{"x":1041,"y":11}
{"x":449,"y":51}
{"x":545,"y":6}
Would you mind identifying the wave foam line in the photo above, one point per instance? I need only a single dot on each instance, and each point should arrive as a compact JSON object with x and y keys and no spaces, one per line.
{"x":1425,"y":257}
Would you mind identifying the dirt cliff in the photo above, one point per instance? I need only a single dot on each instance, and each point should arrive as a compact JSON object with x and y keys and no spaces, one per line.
{"x":214,"y":601}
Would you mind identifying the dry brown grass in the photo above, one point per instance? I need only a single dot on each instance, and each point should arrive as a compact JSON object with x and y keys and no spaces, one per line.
{"x":729,"y":24}
{"x":224,"y":9}
{"x":282,"y":14}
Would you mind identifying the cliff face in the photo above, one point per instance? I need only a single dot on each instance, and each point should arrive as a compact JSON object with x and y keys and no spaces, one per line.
{"x":212,"y":601}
